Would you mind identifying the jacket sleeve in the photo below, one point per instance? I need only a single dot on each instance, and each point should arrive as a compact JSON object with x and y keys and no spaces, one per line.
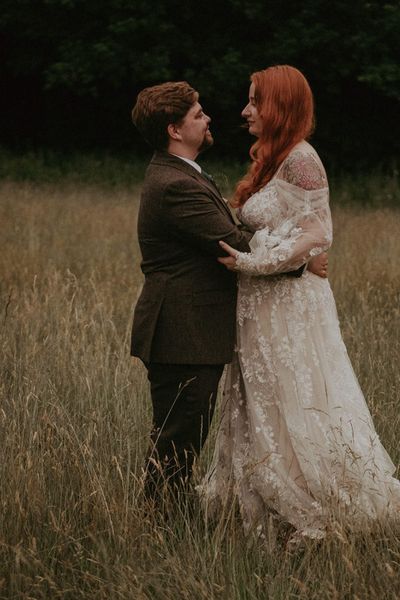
{"x":193,"y":215}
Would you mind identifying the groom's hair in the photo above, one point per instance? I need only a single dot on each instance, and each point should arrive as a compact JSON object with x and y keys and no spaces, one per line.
{"x":160,"y":105}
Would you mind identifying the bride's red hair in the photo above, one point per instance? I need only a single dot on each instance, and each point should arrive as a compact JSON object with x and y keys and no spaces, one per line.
{"x":285,"y":104}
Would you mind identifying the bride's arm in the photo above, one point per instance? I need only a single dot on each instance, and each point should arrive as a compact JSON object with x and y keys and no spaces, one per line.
{"x":305,"y":233}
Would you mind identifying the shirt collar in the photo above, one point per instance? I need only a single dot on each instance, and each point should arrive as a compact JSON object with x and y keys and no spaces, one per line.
{"x":192,"y":163}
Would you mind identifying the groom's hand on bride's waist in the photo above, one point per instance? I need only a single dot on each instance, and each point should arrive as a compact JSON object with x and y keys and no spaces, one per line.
{"x":319,"y":265}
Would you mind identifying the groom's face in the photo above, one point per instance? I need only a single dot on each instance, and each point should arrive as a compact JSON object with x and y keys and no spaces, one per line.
{"x":194,"y":129}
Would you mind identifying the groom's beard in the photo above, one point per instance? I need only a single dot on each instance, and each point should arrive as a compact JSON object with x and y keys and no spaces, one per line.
{"x":207,"y":142}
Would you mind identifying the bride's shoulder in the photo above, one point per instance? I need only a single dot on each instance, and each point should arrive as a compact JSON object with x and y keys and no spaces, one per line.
{"x":303,"y":168}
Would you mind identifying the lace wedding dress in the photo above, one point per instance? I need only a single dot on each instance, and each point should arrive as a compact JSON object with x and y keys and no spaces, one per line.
{"x":296,"y":436}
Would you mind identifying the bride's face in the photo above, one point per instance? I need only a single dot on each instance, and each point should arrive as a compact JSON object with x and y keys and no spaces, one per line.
{"x":250,"y":113}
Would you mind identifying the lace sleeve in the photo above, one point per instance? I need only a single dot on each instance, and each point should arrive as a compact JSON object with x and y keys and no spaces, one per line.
{"x":306,"y":229}
{"x":303,"y":170}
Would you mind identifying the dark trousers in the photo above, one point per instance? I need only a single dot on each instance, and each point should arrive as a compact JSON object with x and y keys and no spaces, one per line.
{"x":183,"y":398}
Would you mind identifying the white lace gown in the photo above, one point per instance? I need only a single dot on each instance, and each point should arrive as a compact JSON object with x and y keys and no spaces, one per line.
{"x":296,"y":436}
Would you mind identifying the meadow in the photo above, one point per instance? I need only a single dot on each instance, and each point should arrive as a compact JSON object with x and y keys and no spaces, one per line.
{"x":75,"y":412}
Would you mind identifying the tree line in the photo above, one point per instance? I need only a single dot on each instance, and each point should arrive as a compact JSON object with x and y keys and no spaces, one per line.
{"x":72,"y":69}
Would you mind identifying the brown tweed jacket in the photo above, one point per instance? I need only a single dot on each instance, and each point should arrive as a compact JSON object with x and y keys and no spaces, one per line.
{"x":186,"y":311}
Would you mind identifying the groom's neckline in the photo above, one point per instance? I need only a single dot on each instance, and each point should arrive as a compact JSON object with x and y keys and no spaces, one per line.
{"x":190,"y":162}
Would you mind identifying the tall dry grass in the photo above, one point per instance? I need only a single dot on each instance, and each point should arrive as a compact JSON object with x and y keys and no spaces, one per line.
{"x":74,"y":416}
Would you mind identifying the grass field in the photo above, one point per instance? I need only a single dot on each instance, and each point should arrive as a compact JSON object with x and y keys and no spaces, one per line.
{"x":75,"y":415}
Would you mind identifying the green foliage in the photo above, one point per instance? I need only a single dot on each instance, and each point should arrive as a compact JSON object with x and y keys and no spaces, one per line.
{"x":83,"y":62}
{"x":377,"y":189}
{"x":381,"y":49}
{"x":55,"y":167}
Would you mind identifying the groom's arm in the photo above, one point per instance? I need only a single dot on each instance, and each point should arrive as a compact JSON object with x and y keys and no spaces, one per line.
{"x":193,"y":216}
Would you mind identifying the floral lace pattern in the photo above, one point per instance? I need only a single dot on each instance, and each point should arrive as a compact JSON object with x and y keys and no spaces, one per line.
{"x":296,"y":436}
{"x":303,"y":169}
{"x":291,"y":216}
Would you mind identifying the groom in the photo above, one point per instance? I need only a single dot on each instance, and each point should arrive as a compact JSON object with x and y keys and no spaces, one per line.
{"x":184,"y":321}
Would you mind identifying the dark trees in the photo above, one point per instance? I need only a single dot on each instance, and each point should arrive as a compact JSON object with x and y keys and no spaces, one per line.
{"x":72,"y":68}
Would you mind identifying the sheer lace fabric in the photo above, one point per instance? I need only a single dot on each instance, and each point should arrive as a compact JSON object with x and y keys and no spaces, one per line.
{"x":296,"y":436}
{"x":296,"y":223}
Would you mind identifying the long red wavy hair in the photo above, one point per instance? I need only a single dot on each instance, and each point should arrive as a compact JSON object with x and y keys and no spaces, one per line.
{"x":285,"y":104}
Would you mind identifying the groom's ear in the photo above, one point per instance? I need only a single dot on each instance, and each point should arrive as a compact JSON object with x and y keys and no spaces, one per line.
{"x":173,"y":131}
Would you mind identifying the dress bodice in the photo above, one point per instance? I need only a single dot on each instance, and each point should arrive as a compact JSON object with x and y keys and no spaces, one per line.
{"x":289,"y":215}
{"x":263,"y":209}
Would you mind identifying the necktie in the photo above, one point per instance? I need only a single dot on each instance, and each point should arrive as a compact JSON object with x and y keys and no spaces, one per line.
{"x":208,"y":176}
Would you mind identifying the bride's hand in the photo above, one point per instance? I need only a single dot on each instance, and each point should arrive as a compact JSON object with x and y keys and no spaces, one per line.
{"x":228,"y":261}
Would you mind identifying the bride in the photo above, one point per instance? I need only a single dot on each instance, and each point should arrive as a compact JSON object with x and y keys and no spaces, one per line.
{"x":296,"y":437}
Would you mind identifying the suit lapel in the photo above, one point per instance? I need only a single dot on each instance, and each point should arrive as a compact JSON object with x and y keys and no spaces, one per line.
{"x":167,"y":159}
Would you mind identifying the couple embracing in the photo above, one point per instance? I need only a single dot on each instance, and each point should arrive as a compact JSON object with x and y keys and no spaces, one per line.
{"x":296,"y":438}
